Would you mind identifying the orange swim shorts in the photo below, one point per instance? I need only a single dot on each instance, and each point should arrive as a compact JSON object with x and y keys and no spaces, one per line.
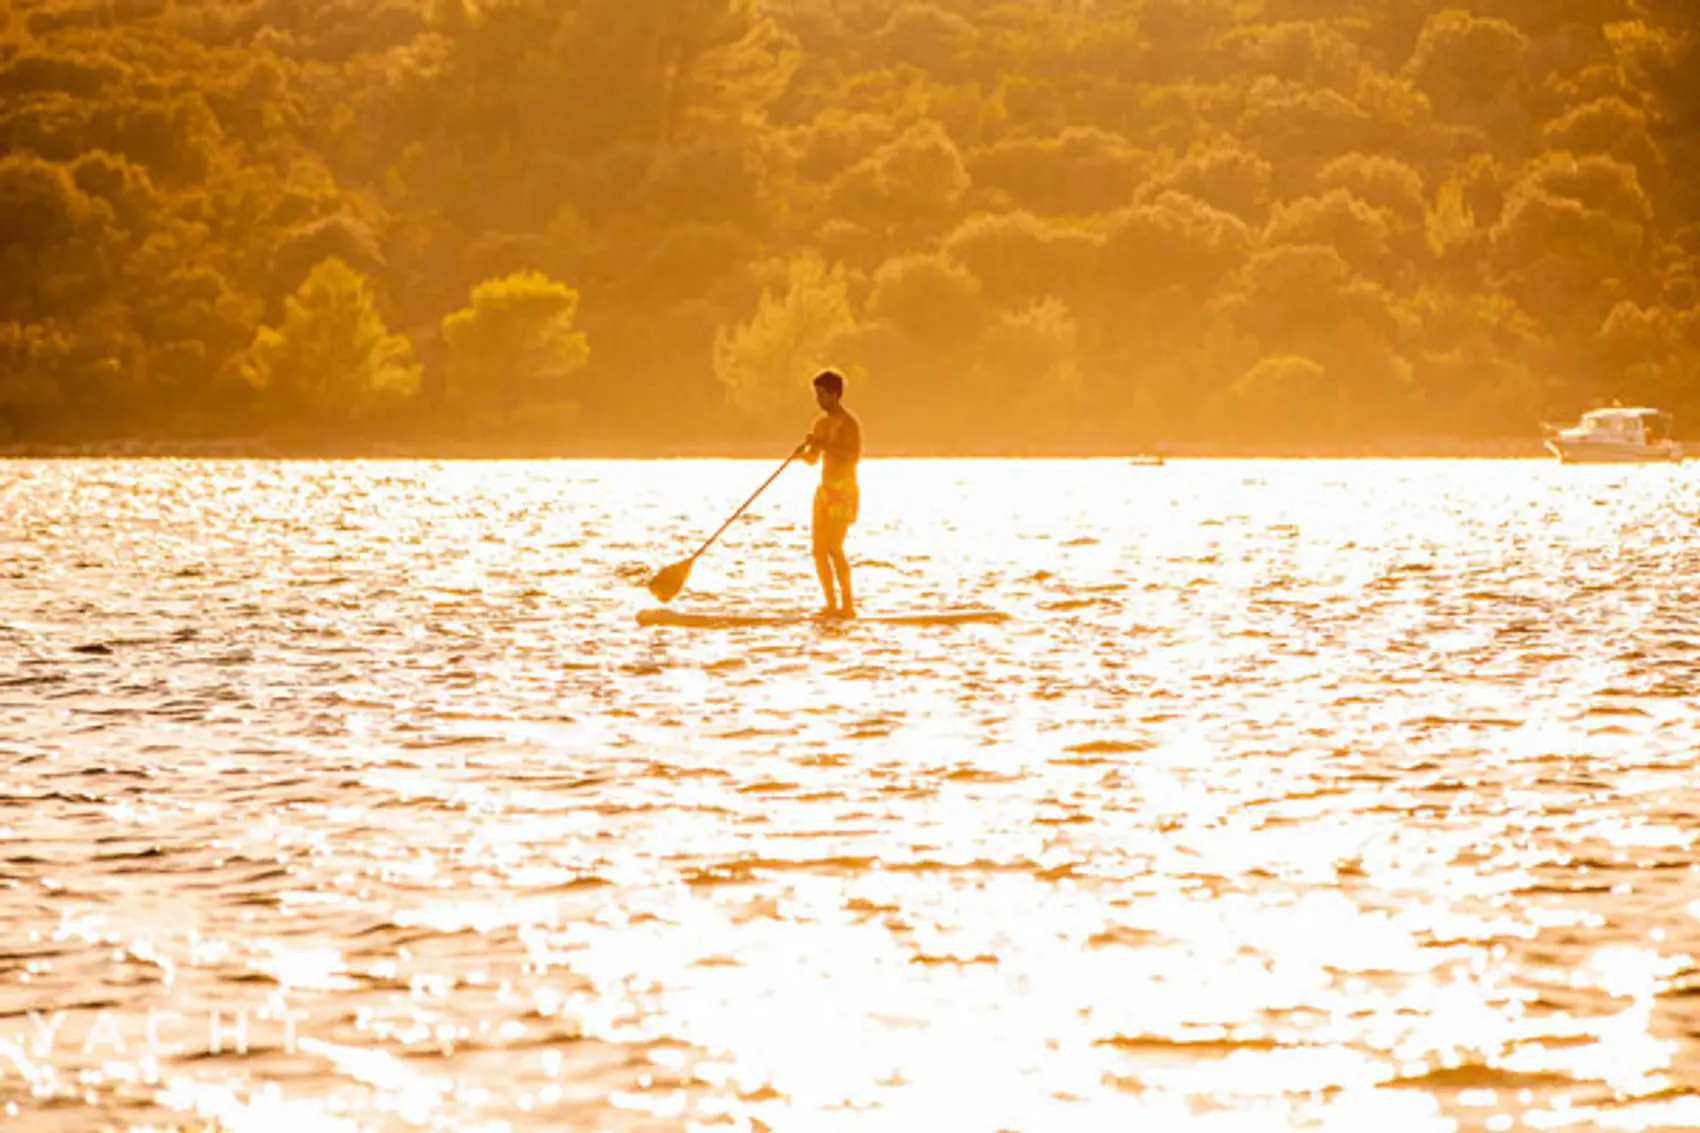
{"x":837,"y":504}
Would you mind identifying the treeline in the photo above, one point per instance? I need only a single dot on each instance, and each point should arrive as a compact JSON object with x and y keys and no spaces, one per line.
{"x":1027,"y":222}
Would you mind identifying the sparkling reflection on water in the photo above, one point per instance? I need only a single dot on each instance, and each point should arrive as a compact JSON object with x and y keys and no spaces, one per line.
{"x":1298,"y":796}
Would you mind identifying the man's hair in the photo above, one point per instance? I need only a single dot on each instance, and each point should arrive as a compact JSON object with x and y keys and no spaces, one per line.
{"x":831,"y":381}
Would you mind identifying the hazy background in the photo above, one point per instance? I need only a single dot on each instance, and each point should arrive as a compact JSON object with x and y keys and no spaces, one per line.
{"x":642,"y":223}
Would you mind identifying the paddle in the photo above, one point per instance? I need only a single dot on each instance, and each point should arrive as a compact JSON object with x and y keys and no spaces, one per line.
{"x":668,"y":581}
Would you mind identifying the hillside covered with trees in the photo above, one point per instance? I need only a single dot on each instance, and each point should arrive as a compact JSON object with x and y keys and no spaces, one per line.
{"x":1015,"y":223}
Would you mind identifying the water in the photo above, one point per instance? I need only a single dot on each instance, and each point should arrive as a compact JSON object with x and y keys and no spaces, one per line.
{"x":1298,"y":796}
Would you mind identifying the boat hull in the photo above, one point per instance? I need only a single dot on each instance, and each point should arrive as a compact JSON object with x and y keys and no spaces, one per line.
{"x":1603,"y":452}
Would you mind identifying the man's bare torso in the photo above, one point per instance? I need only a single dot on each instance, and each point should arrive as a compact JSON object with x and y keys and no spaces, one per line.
{"x":838,"y":438}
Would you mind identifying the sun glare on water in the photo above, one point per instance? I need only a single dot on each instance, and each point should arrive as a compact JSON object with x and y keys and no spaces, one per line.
{"x":1294,"y":796}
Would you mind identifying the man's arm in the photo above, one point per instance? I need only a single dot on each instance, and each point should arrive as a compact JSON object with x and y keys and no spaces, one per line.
{"x":813,"y":445}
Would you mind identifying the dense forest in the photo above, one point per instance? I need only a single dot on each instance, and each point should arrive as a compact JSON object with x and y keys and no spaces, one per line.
{"x":1014,"y":223}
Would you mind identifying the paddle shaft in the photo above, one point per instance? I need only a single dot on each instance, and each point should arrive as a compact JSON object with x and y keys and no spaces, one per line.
{"x":709,"y":542}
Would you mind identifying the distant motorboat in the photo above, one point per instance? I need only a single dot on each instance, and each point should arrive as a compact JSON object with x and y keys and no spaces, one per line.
{"x":1617,"y":436}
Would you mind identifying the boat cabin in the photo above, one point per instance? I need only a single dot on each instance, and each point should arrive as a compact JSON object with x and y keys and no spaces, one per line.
{"x":1632,"y":426}
{"x":1617,"y":435}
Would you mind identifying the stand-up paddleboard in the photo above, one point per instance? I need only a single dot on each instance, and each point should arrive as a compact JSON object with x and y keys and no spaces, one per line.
{"x":703,"y":620}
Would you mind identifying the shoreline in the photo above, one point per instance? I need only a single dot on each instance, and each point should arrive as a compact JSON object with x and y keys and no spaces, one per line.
{"x":1411,"y":448}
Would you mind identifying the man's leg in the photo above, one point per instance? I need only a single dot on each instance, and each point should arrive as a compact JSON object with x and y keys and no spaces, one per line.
{"x":841,"y":568}
{"x":823,"y":565}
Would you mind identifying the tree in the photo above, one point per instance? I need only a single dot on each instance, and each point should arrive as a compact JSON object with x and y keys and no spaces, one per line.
{"x":1309,"y":292}
{"x":926,"y":36}
{"x":1226,"y":178}
{"x":1080,"y":171}
{"x":793,"y":334}
{"x":836,"y":139}
{"x":1032,"y":365}
{"x":191,"y":321}
{"x":1305,"y":128}
{"x":933,"y":299}
{"x":33,"y":360}
{"x":1285,"y":396}
{"x":338,"y":236}
{"x":127,"y":190}
{"x":926,"y":318}
{"x":332,"y":362}
{"x":1175,"y":241}
{"x":54,"y":240}
{"x":1018,"y":256}
{"x":1608,"y":126}
{"x":1467,"y":65}
{"x":1341,"y":221}
{"x":513,"y":353}
{"x":1571,"y":237}
{"x":1385,"y":183}
{"x":1651,"y":355}
{"x":1308,"y":51}
{"x":1450,"y":224}
{"x":915,"y":181}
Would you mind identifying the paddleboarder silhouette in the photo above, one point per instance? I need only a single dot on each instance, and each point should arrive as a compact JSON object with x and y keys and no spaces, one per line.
{"x":836,"y":442}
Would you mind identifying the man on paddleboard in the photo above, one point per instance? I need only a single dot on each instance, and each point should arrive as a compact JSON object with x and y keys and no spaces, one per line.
{"x":836,"y":442}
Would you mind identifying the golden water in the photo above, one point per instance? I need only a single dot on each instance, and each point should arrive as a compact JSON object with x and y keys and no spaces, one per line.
{"x":1353,"y":796}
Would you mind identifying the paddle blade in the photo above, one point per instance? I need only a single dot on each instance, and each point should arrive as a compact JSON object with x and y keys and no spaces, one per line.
{"x":668,"y":581}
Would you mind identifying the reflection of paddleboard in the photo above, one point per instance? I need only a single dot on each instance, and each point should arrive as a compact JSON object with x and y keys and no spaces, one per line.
{"x":685,"y":619}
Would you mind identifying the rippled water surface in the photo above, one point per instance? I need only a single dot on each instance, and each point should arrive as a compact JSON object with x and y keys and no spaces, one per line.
{"x":1355,"y":796}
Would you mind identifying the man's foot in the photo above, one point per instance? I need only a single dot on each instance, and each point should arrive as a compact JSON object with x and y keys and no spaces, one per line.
{"x":847,"y":611}
{"x":827,"y":612}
